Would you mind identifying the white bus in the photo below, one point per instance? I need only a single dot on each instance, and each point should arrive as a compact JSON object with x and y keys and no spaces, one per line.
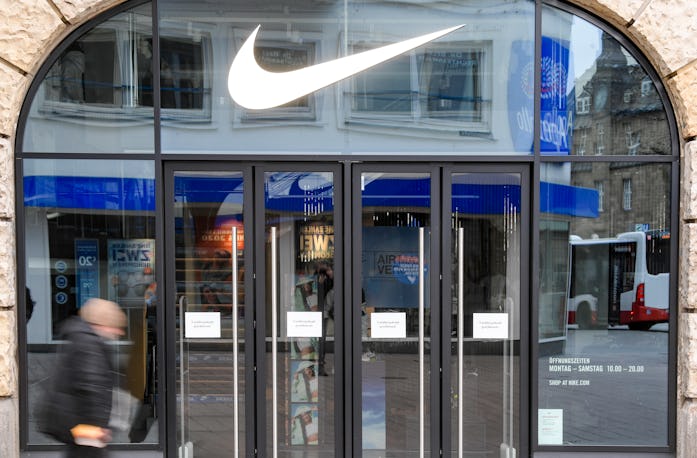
{"x":619,"y":281}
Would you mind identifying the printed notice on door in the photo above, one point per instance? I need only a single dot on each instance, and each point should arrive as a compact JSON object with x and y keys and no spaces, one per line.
{"x":490,"y":325}
{"x":550,"y":426}
{"x":202,"y":325}
{"x":304,"y":324}
{"x":388,"y":325}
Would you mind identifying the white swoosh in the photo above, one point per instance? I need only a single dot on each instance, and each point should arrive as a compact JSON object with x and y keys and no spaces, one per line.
{"x":255,"y":88}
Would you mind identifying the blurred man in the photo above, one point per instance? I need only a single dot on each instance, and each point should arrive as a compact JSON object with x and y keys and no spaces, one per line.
{"x":82,"y":389}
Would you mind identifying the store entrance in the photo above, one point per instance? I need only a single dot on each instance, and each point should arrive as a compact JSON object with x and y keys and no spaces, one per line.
{"x":337,"y":309}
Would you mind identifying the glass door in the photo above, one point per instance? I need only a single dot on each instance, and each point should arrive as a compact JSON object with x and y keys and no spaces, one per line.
{"x":483,"y":217}
{"x":395,"y":323}
{"x":207,"y":260}
{"x":300,"y":340}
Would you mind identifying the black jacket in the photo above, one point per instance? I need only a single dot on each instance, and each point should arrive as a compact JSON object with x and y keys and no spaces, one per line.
{"x":84,"y":376}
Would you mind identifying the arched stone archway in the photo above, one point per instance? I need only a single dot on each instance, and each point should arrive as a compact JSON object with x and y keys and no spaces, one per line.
{"x":30,"y":29}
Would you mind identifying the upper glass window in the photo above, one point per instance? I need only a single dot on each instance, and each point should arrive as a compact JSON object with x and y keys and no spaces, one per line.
{"x":97,"y":96}
{"x":596,"y":97}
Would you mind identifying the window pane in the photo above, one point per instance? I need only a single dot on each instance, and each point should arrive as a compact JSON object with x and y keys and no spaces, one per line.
{"x":90,"y":232}
{"x":604,"y":304}
{"x":97,"y":96}
{"x":596,"y":98}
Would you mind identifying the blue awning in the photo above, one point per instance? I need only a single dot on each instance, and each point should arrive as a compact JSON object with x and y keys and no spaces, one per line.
{"x":138,"y":194}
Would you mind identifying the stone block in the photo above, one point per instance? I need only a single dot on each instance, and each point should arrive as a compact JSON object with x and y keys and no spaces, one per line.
{"x":7,"y":177}
{"x":12,"y":90}
{"x":667,"y":27}
{"x":28,"y":29}
{"x":687,"y":355}
{"x":9,"y":428}
{"x":8,"y":267}
{"x":687,"y":296}
{"x":683,"y":88}
{"x":77,"y":11}
{"x":8,"y":353}
{"x":687,"y":429}
{"x":688,"y":190}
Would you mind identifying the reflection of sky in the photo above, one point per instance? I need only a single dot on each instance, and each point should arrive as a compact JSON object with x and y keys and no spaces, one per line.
{"x":374,"y":435}
{"x":586,"y":46}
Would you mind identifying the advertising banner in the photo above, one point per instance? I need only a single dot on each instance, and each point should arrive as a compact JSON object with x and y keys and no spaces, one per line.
{"x":131,"y":267}
{"x":391,"y":266}
{"x":557,"y":96}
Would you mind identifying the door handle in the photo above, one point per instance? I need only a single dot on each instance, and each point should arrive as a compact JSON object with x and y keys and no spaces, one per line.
{"x":274,"y":339}
{"x":460,"y":335}
{"x":421,"y":343}
{"x":235,"y":345}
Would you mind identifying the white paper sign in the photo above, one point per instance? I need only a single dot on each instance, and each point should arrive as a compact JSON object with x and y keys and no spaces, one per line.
{"x":304,"y":324}
{"x":490,"y":325}
{"x":202,"y":325}
{"x":388,"y":325}
{"x":550,"y":426}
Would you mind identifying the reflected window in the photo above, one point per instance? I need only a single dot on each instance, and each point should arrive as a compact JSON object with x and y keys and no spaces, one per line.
{"x":107,"y":73}
{"x":600,"y":187}
{"x":626,"y":194}
{"x":445,"y":87}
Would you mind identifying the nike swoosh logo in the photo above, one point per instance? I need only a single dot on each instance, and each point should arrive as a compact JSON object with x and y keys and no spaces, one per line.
{"x":255,"y":88}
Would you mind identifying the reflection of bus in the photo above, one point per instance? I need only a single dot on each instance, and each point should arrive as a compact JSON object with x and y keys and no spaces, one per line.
{"x":622,"y":280}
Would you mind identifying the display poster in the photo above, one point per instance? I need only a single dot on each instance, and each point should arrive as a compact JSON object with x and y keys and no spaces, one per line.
{"x":304,"y":381}
{"x":86,"y":269}
{"x":490,"y":325}
{"x":202,"y":325}
{"x":391,"y":266}
{"x":550,"y":426}
{"x":304,"y":324}
{"x":391,"y":325}
{"x":304,"y":424}
{"x":131,"y":267}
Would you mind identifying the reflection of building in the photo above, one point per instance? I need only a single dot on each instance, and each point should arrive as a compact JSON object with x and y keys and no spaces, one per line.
{"x":619,"y":112}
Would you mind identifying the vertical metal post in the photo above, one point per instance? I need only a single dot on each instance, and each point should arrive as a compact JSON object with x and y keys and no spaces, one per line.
{"x":460,"y":336}
{"x":235,"y":350}
{"x":274,"y":338}
{"x":421,"y":343}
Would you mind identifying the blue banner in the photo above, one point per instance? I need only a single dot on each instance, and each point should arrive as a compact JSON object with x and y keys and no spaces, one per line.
{"x":557,"y":97}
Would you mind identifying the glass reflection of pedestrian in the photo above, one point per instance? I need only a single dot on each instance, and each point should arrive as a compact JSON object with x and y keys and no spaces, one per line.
{"x":325,"y":304}
{"x":209,"y":299}
{"x":82,"y":390}
{"x":218,"y":272}
{"x":304,"y":427}
{"x":30,"y":303}
{"x":305,"y":386}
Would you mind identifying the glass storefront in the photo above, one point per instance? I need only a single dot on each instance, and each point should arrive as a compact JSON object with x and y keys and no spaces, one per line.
{"x":410,"y":259}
